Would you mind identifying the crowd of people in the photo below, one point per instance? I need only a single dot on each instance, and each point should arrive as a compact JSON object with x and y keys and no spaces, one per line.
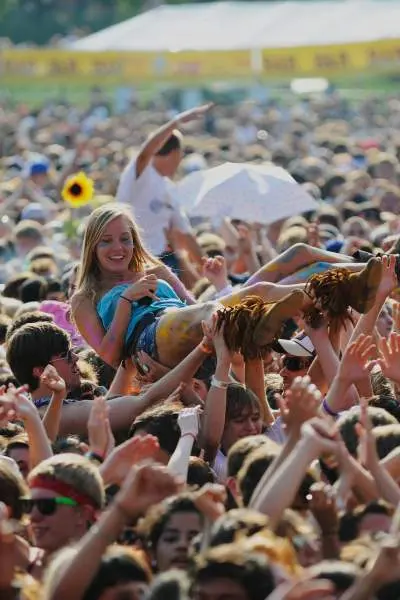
{"x":196,"y":409}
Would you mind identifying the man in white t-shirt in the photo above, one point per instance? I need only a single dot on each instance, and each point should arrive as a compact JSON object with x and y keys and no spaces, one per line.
{"x":146,"y":186}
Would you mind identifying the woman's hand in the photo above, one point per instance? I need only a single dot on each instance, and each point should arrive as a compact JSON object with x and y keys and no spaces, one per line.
{"x":144,"y":288}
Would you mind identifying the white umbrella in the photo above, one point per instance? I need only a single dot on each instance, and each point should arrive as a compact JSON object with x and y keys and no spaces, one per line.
{"x":254,"y":193}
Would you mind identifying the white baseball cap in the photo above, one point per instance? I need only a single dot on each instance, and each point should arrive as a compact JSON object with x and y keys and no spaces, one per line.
{"x":301,"y":345}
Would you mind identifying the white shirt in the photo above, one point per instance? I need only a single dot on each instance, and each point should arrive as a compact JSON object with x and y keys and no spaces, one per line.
{"x":151,"y":198}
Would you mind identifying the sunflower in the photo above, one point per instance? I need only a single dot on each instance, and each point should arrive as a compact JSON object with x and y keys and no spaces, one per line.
{"x":78,"y":190}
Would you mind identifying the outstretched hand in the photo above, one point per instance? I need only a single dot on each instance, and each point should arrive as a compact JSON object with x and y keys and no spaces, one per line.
{"x":388,"y":281}
{"x":146,"y":485}
{"x":389,"y":359}
{"x":300,"y":404}
{"x":356,"y":359}
{"x":194,"y":114}
{"x":14,"y":404}
{"x":134,"y":451}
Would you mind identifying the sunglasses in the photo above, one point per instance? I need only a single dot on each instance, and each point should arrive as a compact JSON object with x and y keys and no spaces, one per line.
{"x":68,"y":356}
{"x":296,"y":363}
{"x":46,"y":506}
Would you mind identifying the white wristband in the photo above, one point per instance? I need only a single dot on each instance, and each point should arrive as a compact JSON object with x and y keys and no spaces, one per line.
{"x":222,"y":385}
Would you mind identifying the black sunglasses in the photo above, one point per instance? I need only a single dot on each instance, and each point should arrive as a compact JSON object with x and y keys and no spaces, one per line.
{"x":68,"y":356}
{"x":296,"y":363}
{"x":46,"y":506}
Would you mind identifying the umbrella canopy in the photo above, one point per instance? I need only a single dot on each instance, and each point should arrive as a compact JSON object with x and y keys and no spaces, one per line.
{"x":254,"y":193}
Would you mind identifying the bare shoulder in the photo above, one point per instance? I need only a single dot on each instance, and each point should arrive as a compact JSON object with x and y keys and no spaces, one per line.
{"x":80,"y":301}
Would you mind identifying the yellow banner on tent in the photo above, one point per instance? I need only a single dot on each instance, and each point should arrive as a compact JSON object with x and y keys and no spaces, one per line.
{"x":332,"y":60}
{"x":60,"y":66}
{"x":63,"y":66}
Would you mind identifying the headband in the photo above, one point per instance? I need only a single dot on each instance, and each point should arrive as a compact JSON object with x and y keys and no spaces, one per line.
{"x":64,"y":489}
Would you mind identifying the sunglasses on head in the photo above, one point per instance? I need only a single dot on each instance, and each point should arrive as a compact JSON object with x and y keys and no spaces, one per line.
{"x":46,"y":506}
{"x":296,"y":363}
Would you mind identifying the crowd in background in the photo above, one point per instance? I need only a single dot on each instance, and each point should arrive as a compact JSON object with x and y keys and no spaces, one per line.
{"x":279,"y":480}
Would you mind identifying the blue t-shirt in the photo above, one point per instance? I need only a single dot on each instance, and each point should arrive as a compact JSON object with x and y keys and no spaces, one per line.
{"x":107,"y":306}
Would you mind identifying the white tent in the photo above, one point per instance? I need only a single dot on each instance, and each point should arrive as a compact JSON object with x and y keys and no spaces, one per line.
{"x":250,"y":25}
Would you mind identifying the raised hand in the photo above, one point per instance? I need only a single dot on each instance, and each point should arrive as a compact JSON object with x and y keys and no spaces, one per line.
{"x":210,"y":500}
{"x":389,"y":278}
{"x":320,"y":436}
{"x":52,"y":380}
{"x":214,"y":269}
{"x":321,"y":502}
{"x":134,"y":451}
{"x":313,"y":237}
{"x":194,"y":114}
{"x":356,"y":358}
{"x":101,"y":438}
{"x":144,"y":288}
{"x":188,"y":421}
{"x":245,"y":240}
{"x":299,"y":404}
{"x":216,"y":335}
{"x":146,"y":485}
{"x":15,"y":404}
{"x":389,"y":360}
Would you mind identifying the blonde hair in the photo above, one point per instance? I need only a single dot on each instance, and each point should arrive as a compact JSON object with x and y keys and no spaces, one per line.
{"x":88,"y":275}
{"x":75,"y":470}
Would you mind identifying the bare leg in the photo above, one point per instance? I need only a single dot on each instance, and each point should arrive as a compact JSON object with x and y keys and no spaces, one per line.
{"x":179,"y":331}
{"x":303,"y":275}
{"x":294,"y":259}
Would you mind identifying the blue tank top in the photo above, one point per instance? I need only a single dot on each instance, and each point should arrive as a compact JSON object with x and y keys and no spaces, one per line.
{"x":107,"y":306}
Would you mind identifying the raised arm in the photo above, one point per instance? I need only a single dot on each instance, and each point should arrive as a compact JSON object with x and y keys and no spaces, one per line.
{"x":213,"y":422}
{"x":157,"y":139}
{"x":52,"y":416}
{"x":188,"y":421}
{"x":15,"y":401}
{"x":280,"y":490}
